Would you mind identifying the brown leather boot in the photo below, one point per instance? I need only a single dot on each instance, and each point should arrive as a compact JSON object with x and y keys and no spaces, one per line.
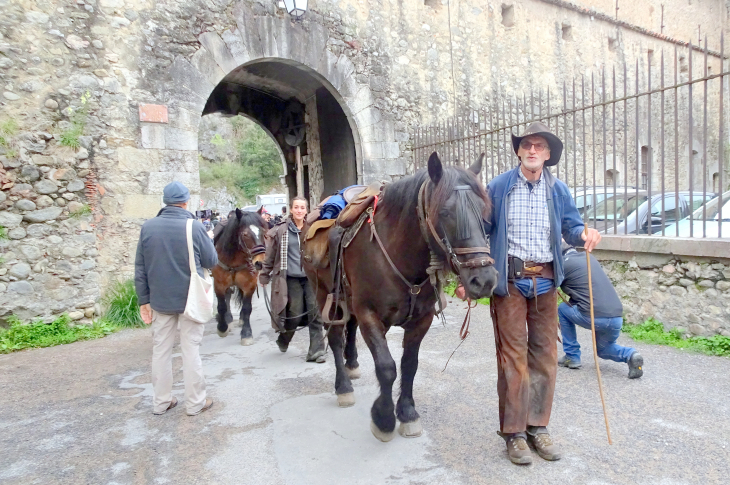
{"x":543,"y":443}
{"x":517,"y":449}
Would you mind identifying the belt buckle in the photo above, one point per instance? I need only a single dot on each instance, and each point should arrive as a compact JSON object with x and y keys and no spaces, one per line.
{"x":533,"y":269}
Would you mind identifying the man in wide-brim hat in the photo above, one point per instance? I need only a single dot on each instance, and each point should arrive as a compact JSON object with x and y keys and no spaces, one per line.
{"x":532,"y":212}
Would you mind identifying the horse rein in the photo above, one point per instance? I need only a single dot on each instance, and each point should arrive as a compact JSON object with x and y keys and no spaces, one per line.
{"x":248,"y":265}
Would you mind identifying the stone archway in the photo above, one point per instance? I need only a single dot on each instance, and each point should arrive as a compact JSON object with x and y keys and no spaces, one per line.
{"x":257,"y":41}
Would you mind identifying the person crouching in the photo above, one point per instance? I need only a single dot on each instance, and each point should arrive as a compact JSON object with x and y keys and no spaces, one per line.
{"x":607,"y":311}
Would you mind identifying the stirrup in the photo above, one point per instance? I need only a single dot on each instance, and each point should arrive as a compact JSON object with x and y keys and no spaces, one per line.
{"x":327,"y":311}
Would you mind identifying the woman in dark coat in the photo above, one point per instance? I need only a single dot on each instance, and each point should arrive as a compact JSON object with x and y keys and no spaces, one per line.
{"x":292,"y":297}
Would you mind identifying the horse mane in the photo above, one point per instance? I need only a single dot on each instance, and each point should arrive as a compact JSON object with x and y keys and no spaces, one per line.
{"x":401,"y":197}
{"x":226,"y":242}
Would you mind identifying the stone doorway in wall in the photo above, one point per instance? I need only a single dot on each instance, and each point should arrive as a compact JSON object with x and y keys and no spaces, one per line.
{"x":303,"y":114}
{"x":238,"y":160}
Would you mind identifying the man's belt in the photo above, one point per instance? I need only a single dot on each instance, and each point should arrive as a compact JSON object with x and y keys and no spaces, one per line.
{"x":517,"y":269}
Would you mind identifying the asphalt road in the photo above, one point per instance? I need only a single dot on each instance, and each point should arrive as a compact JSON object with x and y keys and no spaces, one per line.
{"x":81,"y":413}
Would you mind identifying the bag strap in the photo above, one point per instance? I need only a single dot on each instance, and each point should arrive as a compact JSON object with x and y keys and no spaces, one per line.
{"x":191,"y":254}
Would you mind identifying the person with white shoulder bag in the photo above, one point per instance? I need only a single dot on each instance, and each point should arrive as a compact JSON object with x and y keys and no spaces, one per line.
{"x":175,"y":291}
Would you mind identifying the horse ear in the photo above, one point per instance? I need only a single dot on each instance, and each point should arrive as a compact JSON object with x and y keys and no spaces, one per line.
{"x":476,"y":167}
{"x":435,"y":169}
{"x":238,"y":213}
{"x":260,"y":211}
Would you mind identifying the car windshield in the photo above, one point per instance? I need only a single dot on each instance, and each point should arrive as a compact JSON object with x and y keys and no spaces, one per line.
{"x":618,"y":207}
{"x":712,"y":207}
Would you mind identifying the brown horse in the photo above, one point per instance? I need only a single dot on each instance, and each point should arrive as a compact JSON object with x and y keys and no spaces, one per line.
{"x":385,"y":267}
{"x":241,"y":250}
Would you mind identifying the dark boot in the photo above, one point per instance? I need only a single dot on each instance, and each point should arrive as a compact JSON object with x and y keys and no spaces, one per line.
{"x":636,"y":364}
{"x":566,"y":361}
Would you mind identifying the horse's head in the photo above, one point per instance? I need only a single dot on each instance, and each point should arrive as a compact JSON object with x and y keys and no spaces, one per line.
{"x":252,"y":229}
{"x":458,"y":207}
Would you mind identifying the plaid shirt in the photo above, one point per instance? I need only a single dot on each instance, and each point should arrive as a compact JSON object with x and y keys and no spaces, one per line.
{"x":528,"y":221}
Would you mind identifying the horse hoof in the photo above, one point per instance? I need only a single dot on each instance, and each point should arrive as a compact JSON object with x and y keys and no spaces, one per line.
{"x":381,"y":435}
{"x":222,"y":334}
{"x":246,"y":341}
{"x":346,"y":400}
{"x":353,"y":373}
{"x":411,"y":430}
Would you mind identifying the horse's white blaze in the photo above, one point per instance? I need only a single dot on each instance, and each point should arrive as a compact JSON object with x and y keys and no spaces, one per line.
{"x":255,"y":230}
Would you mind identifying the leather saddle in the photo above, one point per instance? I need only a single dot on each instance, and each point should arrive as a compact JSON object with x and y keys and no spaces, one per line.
{"x":316,"y":243}
{"x":354,"y":209}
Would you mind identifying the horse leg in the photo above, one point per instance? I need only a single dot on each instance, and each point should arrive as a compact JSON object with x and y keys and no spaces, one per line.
{"x":222,"y":326}
{"x":352,"y":367}
{"x":245,"y":319}
{"x":229,"y":315}
{"x":343,"y":385}
{"x":410,"y":424}
{"x":383,"y":411}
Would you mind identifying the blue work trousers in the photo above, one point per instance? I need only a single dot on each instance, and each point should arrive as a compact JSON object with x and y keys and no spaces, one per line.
{"x":607,"y":331}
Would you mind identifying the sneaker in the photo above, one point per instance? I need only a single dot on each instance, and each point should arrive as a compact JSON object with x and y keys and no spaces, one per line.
{"x":566,"y":361}
{"x":208,"y":404}
{"x":636,"y":362}
{"x":543,"y":443}
{"x":172,"y":404}
{"x":517,"y":449}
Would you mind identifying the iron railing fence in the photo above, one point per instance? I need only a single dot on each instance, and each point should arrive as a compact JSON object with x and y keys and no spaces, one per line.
{"x":645,"y":147}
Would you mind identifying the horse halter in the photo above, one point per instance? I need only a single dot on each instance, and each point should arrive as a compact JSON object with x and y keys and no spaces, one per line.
{"x":462,"y":230}
{"x":251,"y":253}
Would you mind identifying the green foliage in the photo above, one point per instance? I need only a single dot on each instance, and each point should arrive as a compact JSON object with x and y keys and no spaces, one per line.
{"x":652,"y":331}
{"x":8,"y":129}
{"x":85,"y":210}
{"x":77,"y":117}
{"x":38,"y":334}
{"x":254,"y":168}
{"x":3,"y":233}
{"x":450,"y":289}
{"x":121,"y":305}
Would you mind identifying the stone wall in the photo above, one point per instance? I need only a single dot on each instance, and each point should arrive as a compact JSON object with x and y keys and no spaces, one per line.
{"x":694,"y":297}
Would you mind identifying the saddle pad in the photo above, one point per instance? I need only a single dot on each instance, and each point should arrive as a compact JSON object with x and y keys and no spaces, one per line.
{"x":352,"y":211}
{"x":316,"y":244}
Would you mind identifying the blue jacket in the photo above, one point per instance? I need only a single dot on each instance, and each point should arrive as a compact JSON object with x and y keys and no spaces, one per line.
{"x":161,"y":268}
{"x":565,"y":222}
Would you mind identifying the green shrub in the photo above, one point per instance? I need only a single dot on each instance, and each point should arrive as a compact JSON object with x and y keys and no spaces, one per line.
{"x":38,"y":334}
{"x":3,"y":233}
{"x":652,"y":331}
{"x":121,"y":307}
{"x":450,"y":289}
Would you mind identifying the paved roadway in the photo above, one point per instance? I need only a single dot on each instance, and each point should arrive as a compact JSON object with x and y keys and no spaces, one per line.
{"x":81,"y":413}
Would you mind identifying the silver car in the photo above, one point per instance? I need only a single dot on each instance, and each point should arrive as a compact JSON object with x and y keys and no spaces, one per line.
{"x":705,"y":221}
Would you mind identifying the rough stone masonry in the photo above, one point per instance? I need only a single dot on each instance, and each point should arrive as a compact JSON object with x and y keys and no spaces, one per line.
{"x":82,"y":168}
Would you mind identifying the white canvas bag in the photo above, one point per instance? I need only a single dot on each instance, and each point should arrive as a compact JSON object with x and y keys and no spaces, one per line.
{"x":199,"y":306}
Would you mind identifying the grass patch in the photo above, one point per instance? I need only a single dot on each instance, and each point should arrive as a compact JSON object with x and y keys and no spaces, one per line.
{"x":38,"y":334}
{"x":652,"y":331}
{"x":83,"y":211}
{"x":8,"y":129}
{"x":71,"y":136}
{"x":122,"y":311}
{"x":121,"y":305}
{"x":3,"y":233}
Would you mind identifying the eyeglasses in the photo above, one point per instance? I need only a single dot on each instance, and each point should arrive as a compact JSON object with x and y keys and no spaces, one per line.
{"x":526,"y":145}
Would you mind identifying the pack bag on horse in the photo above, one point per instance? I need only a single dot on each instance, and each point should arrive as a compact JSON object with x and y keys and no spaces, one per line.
{"x":241,"y":249}
{"x":419,"y":228}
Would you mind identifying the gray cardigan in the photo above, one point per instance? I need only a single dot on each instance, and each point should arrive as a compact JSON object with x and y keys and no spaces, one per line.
{"x":161,"y":269}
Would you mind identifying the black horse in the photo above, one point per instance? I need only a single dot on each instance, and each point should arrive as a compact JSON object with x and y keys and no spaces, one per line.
{"x":241,"y":250}
{"x":430,"y":219}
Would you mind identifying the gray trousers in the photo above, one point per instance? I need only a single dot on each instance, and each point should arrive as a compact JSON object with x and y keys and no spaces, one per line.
{"x":301,"y":300}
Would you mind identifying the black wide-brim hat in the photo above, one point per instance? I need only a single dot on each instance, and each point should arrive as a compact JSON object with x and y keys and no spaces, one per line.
{"x":538,"y":129}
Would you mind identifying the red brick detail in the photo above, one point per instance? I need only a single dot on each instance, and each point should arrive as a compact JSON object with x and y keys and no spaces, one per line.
{"x":153,"y":113}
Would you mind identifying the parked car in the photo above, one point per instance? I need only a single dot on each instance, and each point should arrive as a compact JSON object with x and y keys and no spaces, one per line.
{"x":632,"y":215}
{"x":587,"y":197}
{"x":707,"y":217}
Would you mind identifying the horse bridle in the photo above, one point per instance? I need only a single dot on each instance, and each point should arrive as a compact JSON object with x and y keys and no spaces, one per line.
{"x":251,"y":253}
{"x":451,"y":252}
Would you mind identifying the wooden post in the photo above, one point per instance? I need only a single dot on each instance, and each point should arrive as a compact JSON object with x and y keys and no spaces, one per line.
{"x":300,"y":173}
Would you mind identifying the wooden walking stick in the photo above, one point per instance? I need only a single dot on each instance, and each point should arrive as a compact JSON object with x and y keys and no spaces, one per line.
{"x":593,"y":333}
